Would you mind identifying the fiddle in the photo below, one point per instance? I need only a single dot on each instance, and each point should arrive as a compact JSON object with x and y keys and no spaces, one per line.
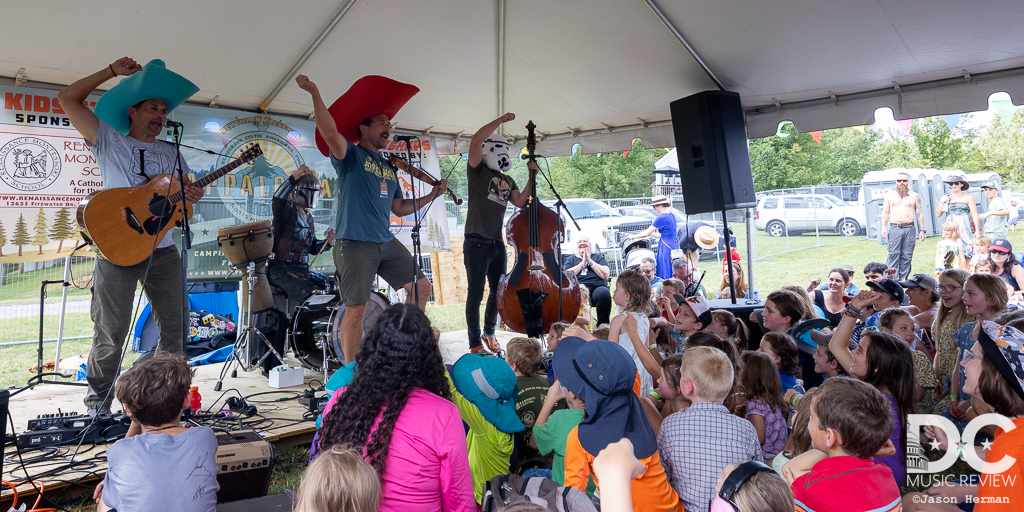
{"x":537,"y":292}
{"x":421,"y":175}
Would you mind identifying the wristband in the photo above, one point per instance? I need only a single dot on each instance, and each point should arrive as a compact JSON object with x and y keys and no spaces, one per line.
{"x":852,"y":312}
{"x":655,"y":395}
{"x":954,"y":396}
{"x":111,"y":66}
{"x":792,"y":401}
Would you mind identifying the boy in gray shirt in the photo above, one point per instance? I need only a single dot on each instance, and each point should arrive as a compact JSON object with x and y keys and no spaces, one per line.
{"x":159,"y":466}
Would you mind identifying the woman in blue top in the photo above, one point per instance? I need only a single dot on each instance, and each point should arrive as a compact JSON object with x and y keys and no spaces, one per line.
{"x":665,"y":225}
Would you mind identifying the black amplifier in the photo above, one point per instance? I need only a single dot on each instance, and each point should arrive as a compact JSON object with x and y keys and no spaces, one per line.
{"x":244,"y":462}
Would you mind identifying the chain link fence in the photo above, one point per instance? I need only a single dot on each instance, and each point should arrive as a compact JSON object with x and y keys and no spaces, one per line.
{"x":785,"y":221}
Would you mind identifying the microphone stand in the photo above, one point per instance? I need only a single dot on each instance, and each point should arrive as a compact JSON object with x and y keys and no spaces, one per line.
{"x":561,"y":229}
{"x":417,"y":247}
{"x":186,"y":239}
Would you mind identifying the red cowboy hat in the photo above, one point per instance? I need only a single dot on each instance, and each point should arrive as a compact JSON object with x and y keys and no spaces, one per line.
{"x":368,"y":96}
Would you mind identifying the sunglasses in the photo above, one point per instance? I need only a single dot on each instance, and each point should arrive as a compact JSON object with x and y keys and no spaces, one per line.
{"x":647,"y":272}
{"x":902,"y":181}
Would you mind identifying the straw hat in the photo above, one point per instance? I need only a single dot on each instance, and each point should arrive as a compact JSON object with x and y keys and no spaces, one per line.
{"x":706,"y":237}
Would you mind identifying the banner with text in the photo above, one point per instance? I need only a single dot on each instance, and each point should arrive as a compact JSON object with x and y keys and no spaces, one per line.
{"x":46,"y":169}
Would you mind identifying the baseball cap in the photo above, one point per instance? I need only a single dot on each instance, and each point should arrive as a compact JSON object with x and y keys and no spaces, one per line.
{"x":990,"y":184}
{"x":1001,"y":245}
{"x":889,"y":286}
{"x":847,"y":267}
{"x":701,"y":309}
{"x":920,"y":281}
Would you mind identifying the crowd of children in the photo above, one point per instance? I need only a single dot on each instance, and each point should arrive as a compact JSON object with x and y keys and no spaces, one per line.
{"x":789,"y":411}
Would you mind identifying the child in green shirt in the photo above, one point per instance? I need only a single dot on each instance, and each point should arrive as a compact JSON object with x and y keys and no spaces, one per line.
{"x":552,"y":428}
{"x":484,"y":389}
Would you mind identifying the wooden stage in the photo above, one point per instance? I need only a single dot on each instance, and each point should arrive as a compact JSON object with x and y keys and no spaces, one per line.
{"x":288,"y":427}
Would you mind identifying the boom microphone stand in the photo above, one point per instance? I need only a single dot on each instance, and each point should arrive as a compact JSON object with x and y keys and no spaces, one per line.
{"x":417,"y":246}
{"x":559,"y":204}
{"x":186,"y":235}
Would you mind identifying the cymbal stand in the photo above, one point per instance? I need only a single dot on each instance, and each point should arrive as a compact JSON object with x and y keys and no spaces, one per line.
{"x":238,"y":355}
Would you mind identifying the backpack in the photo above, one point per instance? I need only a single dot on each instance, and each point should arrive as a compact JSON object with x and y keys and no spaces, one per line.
{"x":504,"y":490}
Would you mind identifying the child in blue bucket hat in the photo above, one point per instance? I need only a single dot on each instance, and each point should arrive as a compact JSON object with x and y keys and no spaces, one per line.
{"x":484,"y":389}
{"x":602,"y":374}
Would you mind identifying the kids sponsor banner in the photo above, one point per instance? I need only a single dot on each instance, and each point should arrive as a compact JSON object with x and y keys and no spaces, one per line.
{"x":46,"y":169}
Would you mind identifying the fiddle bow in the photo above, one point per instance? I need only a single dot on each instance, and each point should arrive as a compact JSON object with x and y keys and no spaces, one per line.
{"x":421,"y":175}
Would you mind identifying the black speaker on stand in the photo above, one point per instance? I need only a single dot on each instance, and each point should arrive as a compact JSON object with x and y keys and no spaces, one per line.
{"x":711,"y":143}
{"x":714,"y":164}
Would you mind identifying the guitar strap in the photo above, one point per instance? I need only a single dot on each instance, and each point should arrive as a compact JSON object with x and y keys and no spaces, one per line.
{"x":142,"y":163}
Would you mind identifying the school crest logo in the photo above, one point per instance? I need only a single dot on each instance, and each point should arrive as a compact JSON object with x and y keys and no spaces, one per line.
{"x":29,"y":163}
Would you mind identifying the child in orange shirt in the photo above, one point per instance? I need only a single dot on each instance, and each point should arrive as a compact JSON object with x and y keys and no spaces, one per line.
{"x":602,"y":374}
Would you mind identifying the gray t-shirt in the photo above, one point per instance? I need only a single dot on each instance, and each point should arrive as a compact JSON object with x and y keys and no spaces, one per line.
{"x":160,"y":472}
{"x":119,"y":161}
{"x":995,"y":225}
{"x":489,"y":192}
{"x":366,"y":187}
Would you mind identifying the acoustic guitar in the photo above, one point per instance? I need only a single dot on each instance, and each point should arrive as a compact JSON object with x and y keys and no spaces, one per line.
{"x":125,"y":224}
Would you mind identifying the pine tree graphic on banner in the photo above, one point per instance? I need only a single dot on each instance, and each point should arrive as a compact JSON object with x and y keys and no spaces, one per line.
{"x":63,"y":229}
{"x":3,"y":238}
{"x":21,"y":233}
{"x":41,"y":239}
{"x":432,"y":231}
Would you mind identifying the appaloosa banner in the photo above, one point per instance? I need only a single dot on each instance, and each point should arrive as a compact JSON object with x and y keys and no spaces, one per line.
{"x":46,"y":169}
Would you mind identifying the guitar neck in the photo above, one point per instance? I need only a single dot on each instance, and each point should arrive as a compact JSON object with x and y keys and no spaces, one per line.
{"x":209,"y":178}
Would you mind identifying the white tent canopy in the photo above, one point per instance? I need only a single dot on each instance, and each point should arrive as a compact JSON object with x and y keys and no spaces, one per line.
{"x":598,"y":72}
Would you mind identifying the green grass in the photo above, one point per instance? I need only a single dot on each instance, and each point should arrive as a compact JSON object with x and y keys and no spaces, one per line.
{"x":17,"y":360}
{"x":27,"y":284}
{"x":800,"y":266}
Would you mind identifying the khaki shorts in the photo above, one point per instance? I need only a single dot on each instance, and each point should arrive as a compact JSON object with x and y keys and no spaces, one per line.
{"x":358,"y":262}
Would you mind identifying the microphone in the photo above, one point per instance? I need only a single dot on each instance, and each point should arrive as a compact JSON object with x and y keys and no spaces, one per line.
{"x":527,"y":157}
{"x":172,"y":124}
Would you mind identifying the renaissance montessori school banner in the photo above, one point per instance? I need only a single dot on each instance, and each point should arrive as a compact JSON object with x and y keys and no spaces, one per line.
{"x":46,"y":169}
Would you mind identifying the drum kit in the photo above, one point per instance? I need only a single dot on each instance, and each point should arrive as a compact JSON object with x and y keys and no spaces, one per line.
{"x":313,"y":336}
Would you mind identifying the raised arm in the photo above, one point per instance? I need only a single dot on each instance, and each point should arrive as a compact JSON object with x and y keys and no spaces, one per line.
{"x":839,"y":345}
{"x":324,"y":122}
{"x":476,"y":144}
{"x":72,"y":98}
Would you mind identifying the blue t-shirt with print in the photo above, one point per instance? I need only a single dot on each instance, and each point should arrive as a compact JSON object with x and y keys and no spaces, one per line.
{"x":366,"y":186}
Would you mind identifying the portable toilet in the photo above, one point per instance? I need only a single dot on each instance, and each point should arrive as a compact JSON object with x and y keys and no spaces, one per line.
{"x":876,"y":184}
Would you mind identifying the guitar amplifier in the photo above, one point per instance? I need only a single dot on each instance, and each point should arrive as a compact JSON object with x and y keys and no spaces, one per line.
{"x":244,"y":463}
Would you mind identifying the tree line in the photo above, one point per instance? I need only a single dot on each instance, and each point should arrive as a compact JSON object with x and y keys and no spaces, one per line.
{"x":843,"y":156}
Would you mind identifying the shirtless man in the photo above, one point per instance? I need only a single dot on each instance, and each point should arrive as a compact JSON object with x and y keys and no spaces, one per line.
{"x":903,"y":205}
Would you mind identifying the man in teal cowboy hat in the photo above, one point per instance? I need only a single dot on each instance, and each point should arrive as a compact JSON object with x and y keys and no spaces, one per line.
{"x":122,"y":134}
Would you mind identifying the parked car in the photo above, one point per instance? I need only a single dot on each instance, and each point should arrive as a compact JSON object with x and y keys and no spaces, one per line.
{"x":778,"y":215}
{"x":605,"y":226}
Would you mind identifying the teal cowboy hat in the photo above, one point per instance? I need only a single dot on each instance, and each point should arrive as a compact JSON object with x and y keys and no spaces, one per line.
{"x":153,"y":82}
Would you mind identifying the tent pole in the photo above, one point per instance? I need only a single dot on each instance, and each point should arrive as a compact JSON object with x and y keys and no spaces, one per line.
{"x":63,"y":310}
{"x":265,"y":104}
{"x":501,"y":63}
{"x":686,"y":44}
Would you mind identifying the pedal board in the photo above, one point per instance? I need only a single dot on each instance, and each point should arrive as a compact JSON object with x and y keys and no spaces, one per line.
{"x":72,"y":428}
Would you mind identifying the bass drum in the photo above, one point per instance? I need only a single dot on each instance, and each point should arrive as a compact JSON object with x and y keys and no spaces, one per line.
{"x":317,"y":326}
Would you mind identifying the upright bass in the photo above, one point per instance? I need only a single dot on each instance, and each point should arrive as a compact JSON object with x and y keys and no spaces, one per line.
{"x":536,"y":292}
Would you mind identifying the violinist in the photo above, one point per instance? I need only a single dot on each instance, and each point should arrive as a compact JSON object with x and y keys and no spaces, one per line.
{"x":490,"y":190}
{"x":352,"y":132}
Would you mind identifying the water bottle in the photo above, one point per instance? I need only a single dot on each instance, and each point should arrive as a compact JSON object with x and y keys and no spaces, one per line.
{"x":195,"y":399}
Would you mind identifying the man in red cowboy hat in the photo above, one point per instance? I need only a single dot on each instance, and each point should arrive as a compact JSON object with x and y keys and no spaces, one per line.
{"x":122,"y":134}
{"x":352,"y":132}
